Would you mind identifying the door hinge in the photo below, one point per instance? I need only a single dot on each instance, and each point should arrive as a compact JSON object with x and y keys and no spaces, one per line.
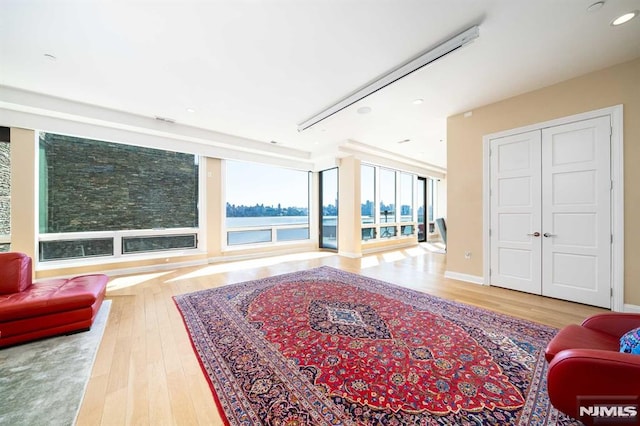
{"x":490,"y":271}
{"x":611,"y":185}
{"x":611,"y":291}
{"x":489,"y":232}
{"x":611,"y":238}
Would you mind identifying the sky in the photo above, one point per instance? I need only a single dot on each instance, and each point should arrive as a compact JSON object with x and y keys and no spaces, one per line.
{"x":252,"y":183}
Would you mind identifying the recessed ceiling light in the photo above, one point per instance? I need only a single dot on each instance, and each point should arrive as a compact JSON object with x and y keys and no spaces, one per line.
{"x":622,"y":19}
{"x":191,"y":110}
{"x":418,"y":101}
{"x":50,"y":57}
{"x":364,"y":110}
{"x":596,"y":6}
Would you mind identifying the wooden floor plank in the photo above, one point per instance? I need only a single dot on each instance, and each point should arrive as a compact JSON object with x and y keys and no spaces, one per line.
{"x":147,"y":373}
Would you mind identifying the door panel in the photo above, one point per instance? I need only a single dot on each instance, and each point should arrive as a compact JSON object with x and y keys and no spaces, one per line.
{"x":515,"y":206}
{"x":555,"y":181}
{"x":573,"y":272}
{"x":576,"y":206}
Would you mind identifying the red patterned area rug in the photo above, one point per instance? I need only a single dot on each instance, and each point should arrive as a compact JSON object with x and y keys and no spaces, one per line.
{"x":327,"y":347}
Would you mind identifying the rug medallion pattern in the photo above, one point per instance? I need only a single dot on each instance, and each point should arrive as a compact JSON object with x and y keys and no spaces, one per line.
{"x":328,"y":347}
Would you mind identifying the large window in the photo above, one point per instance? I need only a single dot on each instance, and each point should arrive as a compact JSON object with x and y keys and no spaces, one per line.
{"x":432,"y":193}
{"x":387,"y":204}
{"x":387,"y":195}
{"x":394,"y":194}
{"x":406,"y":197}
{"x":5,"y":190}
{"x":109,"y":199}
{"x":368,"y":201}
{"x":406,"y":203}
{"x":266,"y":204}
{"x":329,"y":208}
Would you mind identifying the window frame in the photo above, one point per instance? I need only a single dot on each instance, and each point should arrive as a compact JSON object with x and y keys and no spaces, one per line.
{"x":271,"y":228}
{"x":396,"y":228}
{"x":118,"y":235}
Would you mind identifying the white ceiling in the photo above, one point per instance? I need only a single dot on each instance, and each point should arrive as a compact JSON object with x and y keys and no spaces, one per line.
{"x":255,"y":69}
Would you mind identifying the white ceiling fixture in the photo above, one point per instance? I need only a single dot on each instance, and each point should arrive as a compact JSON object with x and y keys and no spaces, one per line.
{"x":596,"y":6}
{"x":623,"y":19}
{"x":394,"y":75}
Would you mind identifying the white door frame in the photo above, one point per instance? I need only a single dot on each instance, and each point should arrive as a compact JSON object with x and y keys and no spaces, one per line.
{"x":617,"y":195}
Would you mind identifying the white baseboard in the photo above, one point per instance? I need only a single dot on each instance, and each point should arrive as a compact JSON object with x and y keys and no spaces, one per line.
{"x":631,"y":308}
{"x":475,"y":279}
{"x":349,"y":255}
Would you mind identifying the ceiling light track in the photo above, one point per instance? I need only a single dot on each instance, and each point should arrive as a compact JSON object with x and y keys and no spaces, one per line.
{"x":396,"y":74}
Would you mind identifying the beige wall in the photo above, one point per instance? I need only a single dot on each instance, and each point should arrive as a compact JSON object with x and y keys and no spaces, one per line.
{"x":616,"y":85}
{"x":23,"y":199}
{"x":349,"y":219}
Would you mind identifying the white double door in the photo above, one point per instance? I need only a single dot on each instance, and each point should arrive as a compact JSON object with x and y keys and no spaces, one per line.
{"x":551,"y":212}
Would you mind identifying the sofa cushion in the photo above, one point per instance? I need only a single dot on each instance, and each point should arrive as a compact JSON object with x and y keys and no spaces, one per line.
{"x":53,"y":296}
{"x":577,"y":337}
{"x":40,"y":325}
{"x":15,"y":272}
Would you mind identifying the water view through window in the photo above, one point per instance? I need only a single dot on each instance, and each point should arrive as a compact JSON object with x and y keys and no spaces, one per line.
{"x":393,"y":192}
{"x":266,"y":203}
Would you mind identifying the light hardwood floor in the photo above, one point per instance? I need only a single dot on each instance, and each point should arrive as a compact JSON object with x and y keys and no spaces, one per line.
{"x":146,"y":372}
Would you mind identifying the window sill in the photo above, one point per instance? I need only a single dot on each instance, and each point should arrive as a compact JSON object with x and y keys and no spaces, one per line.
{"x":109,"y":260}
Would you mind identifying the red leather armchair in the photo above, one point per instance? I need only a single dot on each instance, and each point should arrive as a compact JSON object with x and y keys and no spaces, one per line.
{"x":32,"y":310}
{"x":586,"y":365}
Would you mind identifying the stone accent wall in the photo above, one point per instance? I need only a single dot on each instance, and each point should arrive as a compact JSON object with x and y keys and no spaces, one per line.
{"x":92,"y":185}
{"x":5,"y":188}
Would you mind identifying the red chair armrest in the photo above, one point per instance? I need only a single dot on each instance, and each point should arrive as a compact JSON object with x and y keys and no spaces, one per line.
{"x":614,"y":323}
{"x":575,"y":373}
{"x":15,"y":272}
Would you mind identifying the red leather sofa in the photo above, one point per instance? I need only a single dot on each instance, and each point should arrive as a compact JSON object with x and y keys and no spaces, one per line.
{"x":32,"y":310}
{"x":586,"y":366}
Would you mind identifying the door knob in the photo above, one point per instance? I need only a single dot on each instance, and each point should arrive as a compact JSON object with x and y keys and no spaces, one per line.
{"x":547,"y":235}
{"x":535,"y":234}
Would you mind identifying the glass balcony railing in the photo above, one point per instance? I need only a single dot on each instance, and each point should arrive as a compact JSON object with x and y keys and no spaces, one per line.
{"x":383,"y":230}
